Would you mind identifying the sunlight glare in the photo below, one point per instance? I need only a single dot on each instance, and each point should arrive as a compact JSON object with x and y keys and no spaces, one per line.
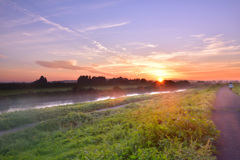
{"x":160,"y":79}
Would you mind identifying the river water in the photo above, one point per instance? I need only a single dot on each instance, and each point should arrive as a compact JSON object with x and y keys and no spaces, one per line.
{"x":26,"y":106}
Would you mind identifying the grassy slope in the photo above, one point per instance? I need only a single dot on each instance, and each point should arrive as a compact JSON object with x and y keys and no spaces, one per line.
{"x":17,"y":119}
{"x":168,"y":126}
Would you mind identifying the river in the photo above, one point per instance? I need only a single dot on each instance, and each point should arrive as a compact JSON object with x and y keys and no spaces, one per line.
{"x":26,"y":106}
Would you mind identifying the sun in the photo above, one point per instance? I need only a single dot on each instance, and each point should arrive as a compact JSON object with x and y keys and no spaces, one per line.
{"x":160,"y":79}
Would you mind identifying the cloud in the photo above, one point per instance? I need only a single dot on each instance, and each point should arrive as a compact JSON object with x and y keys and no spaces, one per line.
{"x":142,"y":45}
{"x":101,"y":5}
{"x":198,"y":36}
{"x":55,"y":24}
{"x":103,"y":26}
{"x":71,"y":65}
{"x":100,"y":46}
{"x":3,"y":57}
{"x":32,"y":17}
{"x":179,"y":37}
{"x":216,"y":45}
{"x":21,"y":21}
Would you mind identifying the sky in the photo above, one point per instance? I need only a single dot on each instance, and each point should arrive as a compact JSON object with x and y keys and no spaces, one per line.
{"x":151,"y":39}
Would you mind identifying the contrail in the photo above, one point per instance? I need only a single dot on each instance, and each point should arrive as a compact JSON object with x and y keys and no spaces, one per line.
{"x":66,"y":29}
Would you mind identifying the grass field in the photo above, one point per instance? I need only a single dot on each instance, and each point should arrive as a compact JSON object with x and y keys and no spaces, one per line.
{"x":166,"y":126}
{"x":236,"y":88}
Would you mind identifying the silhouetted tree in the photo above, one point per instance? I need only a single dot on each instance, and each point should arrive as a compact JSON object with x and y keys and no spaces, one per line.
{"x":87,"y":80}
{"x":118,"y":80}
{"x":143,"y":80}
{"x":98,"y":80}
{"x":41,"y":80}
{"x":183,"y":83}
{"x":84,"y":80}
{"x":169,"y":83}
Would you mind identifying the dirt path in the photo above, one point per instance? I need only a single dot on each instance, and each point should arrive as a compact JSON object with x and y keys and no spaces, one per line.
{"x":227,"y":119}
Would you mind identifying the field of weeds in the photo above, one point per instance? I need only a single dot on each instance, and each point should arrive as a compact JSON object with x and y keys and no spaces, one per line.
{"x":236,"y":88}
{"x":164,"y":126}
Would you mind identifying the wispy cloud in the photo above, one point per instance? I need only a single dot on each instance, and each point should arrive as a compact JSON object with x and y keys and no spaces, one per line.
{"x":101,"y":5}
{"x":215,"y":55}
{"x":21,"y":21}
{"x":55,"y":24}
{"x":198,"y":35}
{"x":33,"y":17}
{"x":216,"y":45}
{"x":99,"y":47}
{"x":71,"y":65}
{"x":179,"y":37}
{"x":104,"y":26}
{"x":3,"y":57}
{"x":143,"y":45}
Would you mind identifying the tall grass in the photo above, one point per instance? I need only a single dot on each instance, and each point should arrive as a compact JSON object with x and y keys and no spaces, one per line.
{"x":236,"y":88}
{"x":169,"y":126}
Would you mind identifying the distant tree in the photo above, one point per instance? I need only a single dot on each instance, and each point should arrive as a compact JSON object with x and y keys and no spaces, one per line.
{"x":88,"y":80}
{"x":183,"y":83}
{"x":136,"y":80}
{"x":118,"y":80}
{"x":98,"y":80}
{"x":169,"y":83}
{"x":143,"y":80}
{"x":42,"y":80}
{"x":84,"y":80}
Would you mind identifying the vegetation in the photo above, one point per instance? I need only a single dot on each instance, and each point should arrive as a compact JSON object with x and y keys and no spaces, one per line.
{"x":167,"y":126}
{"x":66,"y":88}
{"x":33,"y":91}
{"x":236,"y":88}
{"x":83,"y":83}
{"x":16,"y":119}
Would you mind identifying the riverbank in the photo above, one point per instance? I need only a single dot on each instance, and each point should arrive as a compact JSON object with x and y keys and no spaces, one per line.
{"x":181,"y":121}
{"x":28,"y":101}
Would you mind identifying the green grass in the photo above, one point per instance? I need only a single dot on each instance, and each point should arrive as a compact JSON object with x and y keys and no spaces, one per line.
{"x":20,"y":118}
{"x":236,"y":88}
{"x":167,"y":126}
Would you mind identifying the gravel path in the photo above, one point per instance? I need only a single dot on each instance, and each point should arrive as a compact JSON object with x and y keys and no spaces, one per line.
{"x":227,"y":119}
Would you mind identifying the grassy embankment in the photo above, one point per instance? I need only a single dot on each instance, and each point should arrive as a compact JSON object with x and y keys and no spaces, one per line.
{"x":20,"y":118}
{"x":167,"y":126}
{"x":236,"y":89}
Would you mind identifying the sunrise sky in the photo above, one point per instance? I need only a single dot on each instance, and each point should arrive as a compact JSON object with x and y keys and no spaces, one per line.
{"x":152,"y":39}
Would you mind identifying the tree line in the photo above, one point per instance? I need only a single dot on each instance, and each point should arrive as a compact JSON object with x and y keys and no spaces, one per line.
{"x":85,"y":80}
{"x":88,"y":80}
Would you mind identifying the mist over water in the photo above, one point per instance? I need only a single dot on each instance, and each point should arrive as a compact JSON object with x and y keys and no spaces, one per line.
{"x":23,"y":107}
